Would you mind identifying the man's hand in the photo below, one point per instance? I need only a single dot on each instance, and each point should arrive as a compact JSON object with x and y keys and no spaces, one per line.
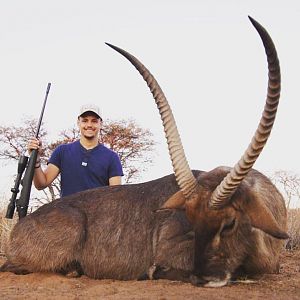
{"x":33,"y":144}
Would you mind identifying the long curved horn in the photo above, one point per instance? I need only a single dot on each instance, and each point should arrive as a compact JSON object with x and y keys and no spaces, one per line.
{"x":184,"y":176}
{"x":228,"y":186}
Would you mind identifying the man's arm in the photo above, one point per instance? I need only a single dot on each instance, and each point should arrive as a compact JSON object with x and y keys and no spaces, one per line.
{"x":42,"y":179}
{"x":116,"y":180}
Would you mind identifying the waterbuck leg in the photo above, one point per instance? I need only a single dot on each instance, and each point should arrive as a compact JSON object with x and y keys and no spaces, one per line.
{"x":9,"y":267}
{"x":169,"y":273}
{"x":54,"y":236}
{"x":173,"y":249}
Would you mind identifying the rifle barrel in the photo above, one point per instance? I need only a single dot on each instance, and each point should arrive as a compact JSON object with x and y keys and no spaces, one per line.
{"x":43,"y":109}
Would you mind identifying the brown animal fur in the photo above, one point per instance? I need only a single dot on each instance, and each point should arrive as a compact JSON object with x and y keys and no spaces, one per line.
{"x":120,"y":232}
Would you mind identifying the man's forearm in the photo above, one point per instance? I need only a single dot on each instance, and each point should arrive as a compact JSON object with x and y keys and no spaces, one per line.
{"x":39,"y":179}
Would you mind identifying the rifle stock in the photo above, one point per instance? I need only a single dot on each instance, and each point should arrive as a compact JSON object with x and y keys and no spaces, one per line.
{"x":23,"y":201}
{"x":15,"y":190}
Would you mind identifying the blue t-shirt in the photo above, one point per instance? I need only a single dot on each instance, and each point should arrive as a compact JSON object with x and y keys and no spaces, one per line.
{"x":82,"y":169}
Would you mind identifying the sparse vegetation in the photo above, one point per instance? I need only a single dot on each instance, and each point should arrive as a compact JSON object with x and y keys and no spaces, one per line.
{"x":6,"y":226}
{"x":289,"y":184}
{"x":293,"y":229}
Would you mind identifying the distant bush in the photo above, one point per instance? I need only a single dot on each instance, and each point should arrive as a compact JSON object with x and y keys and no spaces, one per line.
{"x":293,"y":229}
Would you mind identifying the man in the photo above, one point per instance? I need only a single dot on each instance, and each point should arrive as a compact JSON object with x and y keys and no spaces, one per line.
{"x":83,"y":164}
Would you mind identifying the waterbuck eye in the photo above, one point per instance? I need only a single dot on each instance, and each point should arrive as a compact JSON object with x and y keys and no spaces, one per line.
{"x":228,"y":226}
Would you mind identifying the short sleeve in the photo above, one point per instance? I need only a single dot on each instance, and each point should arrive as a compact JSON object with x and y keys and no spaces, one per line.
{"x":56,"y":157}
{"x":115,"y":168}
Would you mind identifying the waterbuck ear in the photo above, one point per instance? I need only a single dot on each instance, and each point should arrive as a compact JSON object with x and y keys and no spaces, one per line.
{"x":262,"y":218}
{"x":176,"y":201}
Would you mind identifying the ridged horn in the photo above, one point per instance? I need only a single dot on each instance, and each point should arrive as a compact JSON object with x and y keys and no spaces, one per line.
{"x":184,"y":176}
{"x":228,"y":186}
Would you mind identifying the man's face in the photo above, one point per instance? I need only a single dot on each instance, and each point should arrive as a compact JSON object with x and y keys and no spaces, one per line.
{"x":89,"y":125}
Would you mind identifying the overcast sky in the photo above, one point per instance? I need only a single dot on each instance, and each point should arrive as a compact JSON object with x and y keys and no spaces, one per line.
{"x":206,"y":56}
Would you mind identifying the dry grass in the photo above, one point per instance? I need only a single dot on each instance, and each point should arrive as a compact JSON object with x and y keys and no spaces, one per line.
{"x":293,"y":229}
{"x":6,"y":226}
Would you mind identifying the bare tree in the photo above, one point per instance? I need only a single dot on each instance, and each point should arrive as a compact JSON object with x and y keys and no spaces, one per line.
{"x":289,"y":184}
{"x":14,"y":139}
{"x":133,"y":144}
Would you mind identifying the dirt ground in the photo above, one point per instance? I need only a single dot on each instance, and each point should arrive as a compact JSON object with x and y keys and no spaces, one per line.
{"x":285,"y":285}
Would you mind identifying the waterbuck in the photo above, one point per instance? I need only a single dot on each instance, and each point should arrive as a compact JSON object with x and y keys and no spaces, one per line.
{"x":202,"y":227}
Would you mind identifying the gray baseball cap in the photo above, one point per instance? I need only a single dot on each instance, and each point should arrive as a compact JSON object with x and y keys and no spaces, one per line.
{"x":90,"y":107}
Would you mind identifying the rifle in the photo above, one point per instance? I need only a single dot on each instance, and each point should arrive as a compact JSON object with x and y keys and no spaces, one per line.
{"x":23,"y":201}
